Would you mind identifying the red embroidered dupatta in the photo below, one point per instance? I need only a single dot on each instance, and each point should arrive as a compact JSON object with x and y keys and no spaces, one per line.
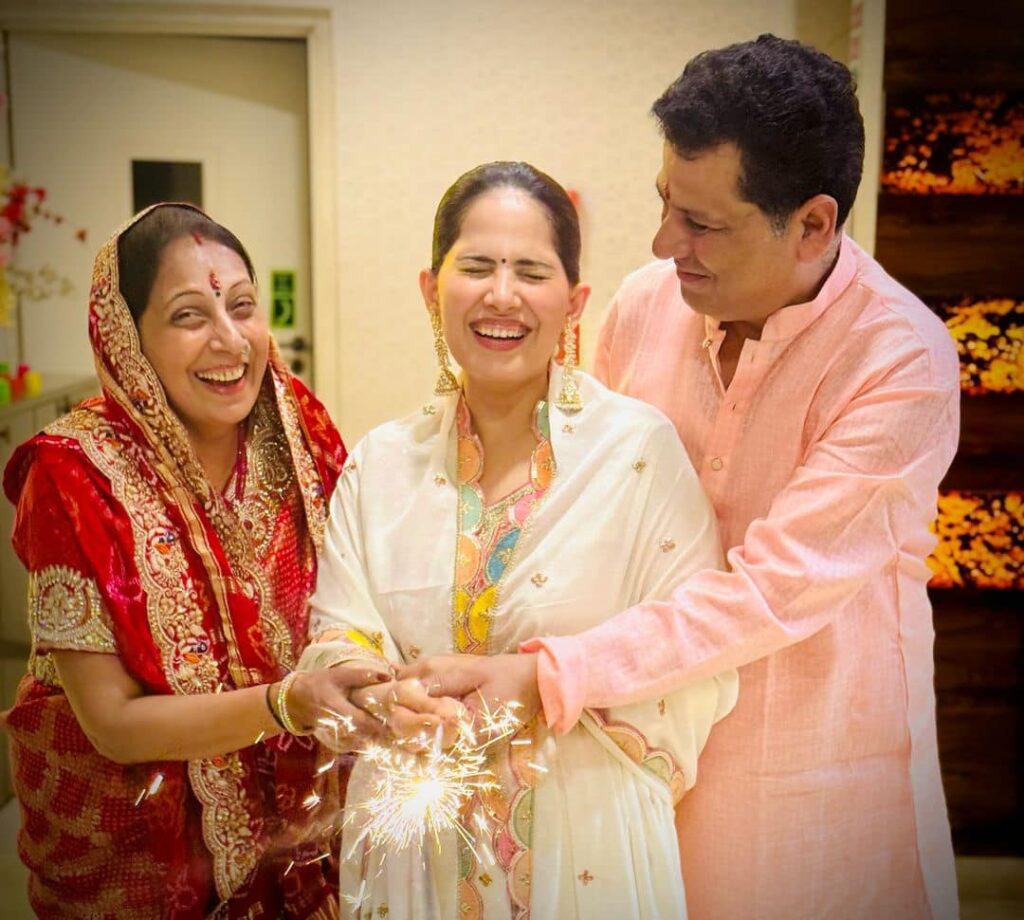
{"x":131,"y":551}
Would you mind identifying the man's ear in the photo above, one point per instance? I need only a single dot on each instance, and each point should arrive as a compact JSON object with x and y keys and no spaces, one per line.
{"x":817,"y":222}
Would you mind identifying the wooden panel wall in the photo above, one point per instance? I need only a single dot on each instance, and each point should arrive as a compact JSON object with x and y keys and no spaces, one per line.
{"x":951,"y":247}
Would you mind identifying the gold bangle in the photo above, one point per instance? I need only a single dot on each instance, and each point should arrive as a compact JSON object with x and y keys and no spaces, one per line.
{"x":282,"y":705}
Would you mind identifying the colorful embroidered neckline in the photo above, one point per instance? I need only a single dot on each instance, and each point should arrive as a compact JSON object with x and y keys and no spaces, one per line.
{"x":488,"y":535}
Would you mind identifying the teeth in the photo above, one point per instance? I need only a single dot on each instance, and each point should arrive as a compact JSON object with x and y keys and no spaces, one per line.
{"x":501,"y":332}
{"x":230,"y":375}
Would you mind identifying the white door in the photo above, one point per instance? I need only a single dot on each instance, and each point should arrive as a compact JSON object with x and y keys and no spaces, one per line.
{"x":85,"y":107}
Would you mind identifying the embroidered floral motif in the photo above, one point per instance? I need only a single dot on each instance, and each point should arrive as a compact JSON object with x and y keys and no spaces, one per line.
{"x":585,"y":877}
{"x":632,"y":742}
{"x":488,"y":535}
{"x":485,"y":552}
{"x":65,"y":611}
{"x":667,"y":545}
{"x":640,"y":465}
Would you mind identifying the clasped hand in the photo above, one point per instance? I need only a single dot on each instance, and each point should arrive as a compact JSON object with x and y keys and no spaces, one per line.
{"x":481,"y":679}
{"x":349,"y":704}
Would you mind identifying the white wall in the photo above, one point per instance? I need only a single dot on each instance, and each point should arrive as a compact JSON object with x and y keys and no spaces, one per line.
{"x":432,"y":88}
{"x":86,"y":105}
{"x":429,"y":88}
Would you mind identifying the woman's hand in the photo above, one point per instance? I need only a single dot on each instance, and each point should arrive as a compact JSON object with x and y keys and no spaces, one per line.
{"x":328,"y":693}
{"x":410,"y":713}
{"x":472,"y":678}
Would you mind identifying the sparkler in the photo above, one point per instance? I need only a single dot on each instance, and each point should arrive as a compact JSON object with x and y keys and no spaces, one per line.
{"x":416,"y":793}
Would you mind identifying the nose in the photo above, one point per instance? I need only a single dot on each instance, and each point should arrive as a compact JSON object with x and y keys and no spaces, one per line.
{"x":502,"y":295}
{"x":672,"y":241}
{"x":227,"y":337}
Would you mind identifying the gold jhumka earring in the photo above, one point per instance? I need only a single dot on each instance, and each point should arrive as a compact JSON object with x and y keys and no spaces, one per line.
{"x":446,"y":382}
{"x":569,"y":399}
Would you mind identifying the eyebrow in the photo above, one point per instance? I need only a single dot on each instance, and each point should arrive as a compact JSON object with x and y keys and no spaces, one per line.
{"x":700,"y":216}
{"x":518,"y":263}
{"x":184,"y":293}
{"x":194,"y":290}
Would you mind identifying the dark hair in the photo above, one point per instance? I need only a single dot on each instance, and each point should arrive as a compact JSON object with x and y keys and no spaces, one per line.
{"x":565,"y":224}
{"x":790,"y":109}
{"x":140,"y":246}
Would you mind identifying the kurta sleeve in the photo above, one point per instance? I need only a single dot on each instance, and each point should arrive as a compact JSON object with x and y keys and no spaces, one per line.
{"x":676,"y":537}
{"x":345,"y":624}
{"x":605,"y":344}
{"x":61,"y":538}
{"x":860,"y":503}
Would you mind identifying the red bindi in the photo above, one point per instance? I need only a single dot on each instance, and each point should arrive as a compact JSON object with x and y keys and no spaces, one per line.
{"x":215,"y":284}
{"x":197,"y":238}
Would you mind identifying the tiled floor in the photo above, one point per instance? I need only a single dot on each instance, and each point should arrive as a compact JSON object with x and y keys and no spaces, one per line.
{"x":990,"y":888}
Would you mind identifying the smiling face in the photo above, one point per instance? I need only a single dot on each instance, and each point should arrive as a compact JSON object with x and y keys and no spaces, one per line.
{"x":732,"y":263}
{"x":205,"y":335}
{"x":503,"y":293}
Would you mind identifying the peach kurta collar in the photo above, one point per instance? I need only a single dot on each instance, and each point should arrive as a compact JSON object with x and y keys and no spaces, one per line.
{"x":791,"y":320}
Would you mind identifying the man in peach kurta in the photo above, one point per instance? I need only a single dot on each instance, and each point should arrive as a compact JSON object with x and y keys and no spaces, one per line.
{"x":818,"y":400}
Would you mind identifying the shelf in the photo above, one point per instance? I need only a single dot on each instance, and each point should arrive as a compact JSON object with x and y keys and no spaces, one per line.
{"x":953,"y":44}
{"x":949,"y":245}
{"x":989,"y":457}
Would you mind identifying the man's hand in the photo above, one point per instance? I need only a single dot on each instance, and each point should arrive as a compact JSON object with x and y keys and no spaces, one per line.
{"x":490,"y":678}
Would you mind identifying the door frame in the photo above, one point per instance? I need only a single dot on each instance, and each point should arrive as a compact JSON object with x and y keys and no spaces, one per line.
{"x":313,"y":22}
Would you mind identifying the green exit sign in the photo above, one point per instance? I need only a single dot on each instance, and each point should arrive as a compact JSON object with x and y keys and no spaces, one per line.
{"x":282,"y":299}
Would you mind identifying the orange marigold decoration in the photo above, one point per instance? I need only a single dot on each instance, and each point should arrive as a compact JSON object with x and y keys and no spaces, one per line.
{"x":960,"y":143}
{"x":989,"y":336}
{"x":980,"y":541}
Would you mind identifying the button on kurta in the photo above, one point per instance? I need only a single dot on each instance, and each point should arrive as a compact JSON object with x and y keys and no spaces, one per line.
{"x":716,"y":463}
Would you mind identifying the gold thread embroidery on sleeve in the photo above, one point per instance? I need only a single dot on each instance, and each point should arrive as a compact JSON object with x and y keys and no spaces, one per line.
{"x":65,"y":611}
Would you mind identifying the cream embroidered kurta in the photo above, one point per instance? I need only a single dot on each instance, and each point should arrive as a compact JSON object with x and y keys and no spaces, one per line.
{"x":623,"y":519}
{"x":821,"y":794}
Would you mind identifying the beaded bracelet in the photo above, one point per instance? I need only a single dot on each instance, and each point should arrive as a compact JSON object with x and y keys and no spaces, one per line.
{"x":282,"y":705}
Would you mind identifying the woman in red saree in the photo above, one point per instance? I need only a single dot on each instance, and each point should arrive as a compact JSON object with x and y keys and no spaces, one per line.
{"x":170,"y":528}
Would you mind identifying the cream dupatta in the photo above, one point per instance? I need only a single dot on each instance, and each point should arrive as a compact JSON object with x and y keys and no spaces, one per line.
{"x":591,"y":832}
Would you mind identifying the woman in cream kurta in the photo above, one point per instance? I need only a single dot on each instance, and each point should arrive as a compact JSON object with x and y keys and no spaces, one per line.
{"x":620,"y":518}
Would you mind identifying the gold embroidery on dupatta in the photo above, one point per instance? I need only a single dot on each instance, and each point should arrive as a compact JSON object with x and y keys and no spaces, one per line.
{"x":129,"y":379}
{"x":175,"y":622}
{"x":246,"y":528}
{"x":311,"y":487}
{"x":174,"y":602}
{"x":65,"y":611}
